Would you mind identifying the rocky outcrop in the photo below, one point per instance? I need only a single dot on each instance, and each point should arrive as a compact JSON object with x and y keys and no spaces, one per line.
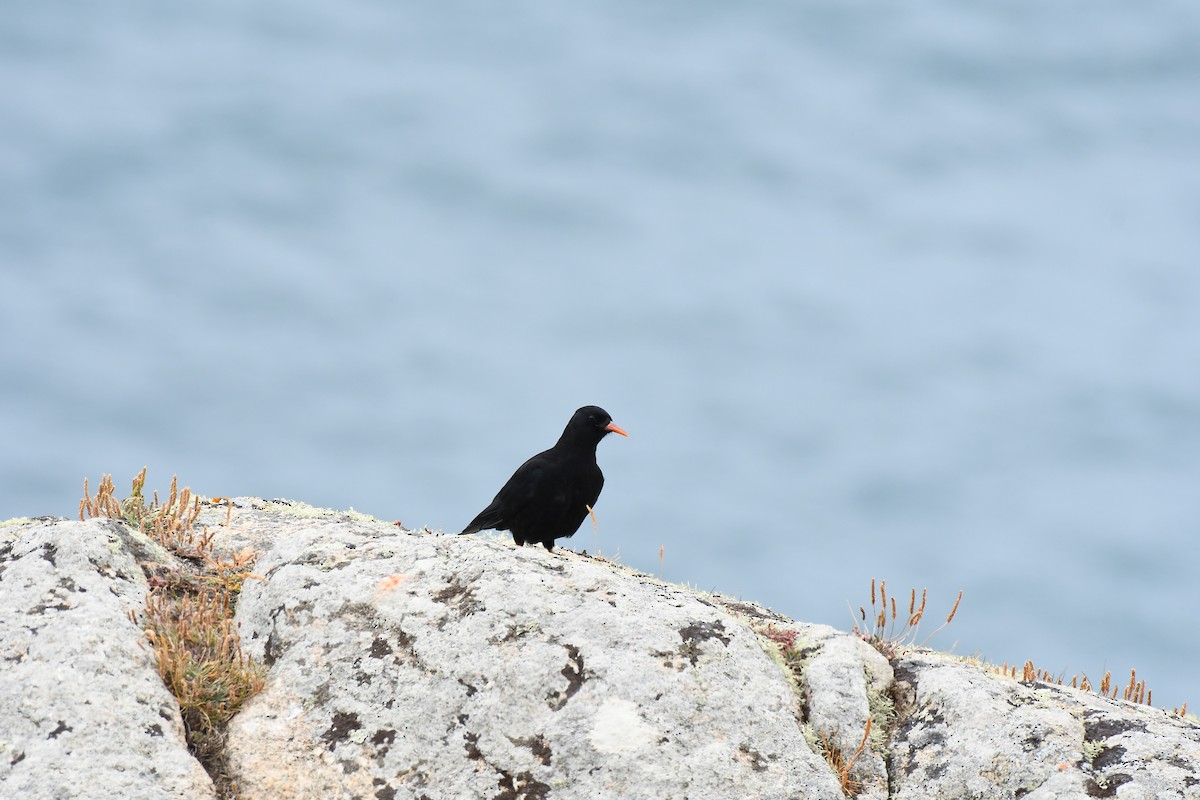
{"x":83,"y":712}
{"x":406,"y":664}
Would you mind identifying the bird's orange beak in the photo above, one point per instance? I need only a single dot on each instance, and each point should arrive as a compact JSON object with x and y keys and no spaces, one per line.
{"x":612,"y":426}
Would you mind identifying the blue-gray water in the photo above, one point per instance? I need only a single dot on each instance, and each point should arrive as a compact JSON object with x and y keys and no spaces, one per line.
{"x":909,"y":292}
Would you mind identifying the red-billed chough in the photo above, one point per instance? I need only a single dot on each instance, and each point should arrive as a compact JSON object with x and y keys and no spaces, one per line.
{"x":548,"y":497}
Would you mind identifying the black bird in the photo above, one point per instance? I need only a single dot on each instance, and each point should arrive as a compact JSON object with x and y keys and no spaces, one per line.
{"x":548,"y":497}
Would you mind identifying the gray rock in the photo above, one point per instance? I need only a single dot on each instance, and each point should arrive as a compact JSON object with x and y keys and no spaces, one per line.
{"x":843,"y":677}
{"x":967,"y":732}
{"x":83,"y":712}
{"x":407,"y":664}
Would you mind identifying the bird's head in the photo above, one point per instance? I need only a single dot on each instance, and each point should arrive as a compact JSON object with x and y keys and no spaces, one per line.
{"x":597,"y":419}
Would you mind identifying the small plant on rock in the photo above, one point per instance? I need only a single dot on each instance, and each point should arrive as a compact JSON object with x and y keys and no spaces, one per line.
{"x":842,"y":765}
{"x":1135,"y":691}
{"x":188,"y":619}
{"x":886,"y":630}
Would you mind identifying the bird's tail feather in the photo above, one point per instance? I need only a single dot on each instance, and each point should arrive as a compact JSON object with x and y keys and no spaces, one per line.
{"x":488,"y":518}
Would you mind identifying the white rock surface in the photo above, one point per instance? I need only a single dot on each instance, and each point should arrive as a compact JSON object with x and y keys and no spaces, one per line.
{"x":83,"y":712}
{"x":967,"y":732}
{"x":412,"y":665}
{"x":415,"y":666}
{"x":838,"y":676}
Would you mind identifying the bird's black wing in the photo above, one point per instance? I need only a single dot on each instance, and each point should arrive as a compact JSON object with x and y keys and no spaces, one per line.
{"x":521,"y":488}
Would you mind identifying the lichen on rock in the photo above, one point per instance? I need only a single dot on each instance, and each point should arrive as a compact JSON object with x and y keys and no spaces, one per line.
{"x":405,"y":664}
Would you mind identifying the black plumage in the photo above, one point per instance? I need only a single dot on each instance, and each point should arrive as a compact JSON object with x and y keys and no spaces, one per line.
{"x":547,"y":498}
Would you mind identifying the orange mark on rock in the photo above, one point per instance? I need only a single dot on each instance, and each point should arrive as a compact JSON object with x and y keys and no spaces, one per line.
{"x":389,"y":583}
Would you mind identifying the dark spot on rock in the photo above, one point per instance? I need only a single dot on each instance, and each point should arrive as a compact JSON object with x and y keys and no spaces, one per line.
{"x":753,"y":758}
{"x":384,"y":736}
{"x":698,"y":632}
{"x":538,"y":746}
{"x":521,"y":786}
{"x":1021,"y":793}
{"x":62,"y":728}
{"x":385,"y":792}
{"x":922,"y":730}
{"x":340,"y":728}
{"x":460,"y":597}
{"x":362,"y":679}
{"x":61,"y":605}
{"x":1108,"y":757}
{"x":745,"y":609}
{"x":363,"y":611}
{"x":380,"y":648}
{"x":470,"y":689}
{"x":691,"y":651}
{"x":904,"y":671}
{"x":1179,"y":761}
{"x":670,"y":659}
{"x":66,"y":583}
{"x":471,"y":745}
{"x":348,"y":767}
{"x":1032,"y":742}
{"x":17,"y":759}
{"x":701,"y":631}
{"x":154,"y":730}
{"x":1108,"y":788}
{"x":573,"y":672}
{"x":514,"y":633}
{"x":453,"y":590}
{"x":50,"y":553}
{"x":271,"y":650}
{"x":1096,"y":727}
{"x":402,"y":639}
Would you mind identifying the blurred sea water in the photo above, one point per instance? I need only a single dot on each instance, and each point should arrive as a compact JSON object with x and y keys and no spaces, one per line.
{"x":907,"y":292}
